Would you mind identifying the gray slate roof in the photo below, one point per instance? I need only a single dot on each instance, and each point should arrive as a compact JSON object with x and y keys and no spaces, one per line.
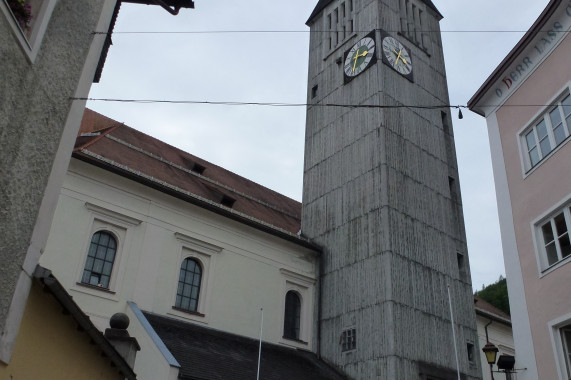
{"x":208,"y":354}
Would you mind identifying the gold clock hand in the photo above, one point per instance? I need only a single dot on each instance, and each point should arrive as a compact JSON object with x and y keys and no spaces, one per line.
{"x":363,"y":54}
{"x":398,"y":57}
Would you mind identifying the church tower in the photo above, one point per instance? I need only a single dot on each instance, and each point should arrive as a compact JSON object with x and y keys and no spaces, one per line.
{"x":381,"y":195}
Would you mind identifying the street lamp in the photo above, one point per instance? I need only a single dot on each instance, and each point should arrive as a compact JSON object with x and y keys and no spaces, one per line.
{"x":491,"y":352}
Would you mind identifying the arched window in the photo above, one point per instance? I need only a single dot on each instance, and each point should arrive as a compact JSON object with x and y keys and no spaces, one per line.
{"x":292,"y":315}
{"x":188,"y":285}
{"x":100,"y":258}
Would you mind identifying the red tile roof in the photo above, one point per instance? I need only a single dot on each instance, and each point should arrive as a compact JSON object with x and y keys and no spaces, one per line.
{"x":114,"y":146}
{"x":488,"y":310}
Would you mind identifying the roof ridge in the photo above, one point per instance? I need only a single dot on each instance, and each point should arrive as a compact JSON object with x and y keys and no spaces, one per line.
{"x":170,"y":163}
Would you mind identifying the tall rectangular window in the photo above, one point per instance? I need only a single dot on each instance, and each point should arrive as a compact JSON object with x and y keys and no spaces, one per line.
{"x":553,"y":243}
{"x":555,"y":235}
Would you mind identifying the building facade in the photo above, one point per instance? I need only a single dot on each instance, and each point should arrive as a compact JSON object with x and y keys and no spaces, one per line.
{"x":494,"y":326}
{"x":48,"y":56}
{"x":381,"y":194}
{"x":527,"y":107}
{"x":176,"y":242}
{"x":58,"y":341}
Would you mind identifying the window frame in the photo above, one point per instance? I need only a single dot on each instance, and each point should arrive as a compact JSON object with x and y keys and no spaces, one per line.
{"x":32,"y":45}
{"x":205,"y":254}
{"x":562,"y":360}
{"x":199,"y":264}
{"x":304,"y":287}
{"x":121,"y":227}
{"x":116,"y":242}
{"x":297,"y":317}
{"x":544,"y":116}
{"x":544,"y":267}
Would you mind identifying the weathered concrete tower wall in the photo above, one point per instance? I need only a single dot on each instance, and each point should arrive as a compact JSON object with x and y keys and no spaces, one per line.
{"x":381,"y":195}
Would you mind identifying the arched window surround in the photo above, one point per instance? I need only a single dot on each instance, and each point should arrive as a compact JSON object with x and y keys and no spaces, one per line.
{"x":121,"y":227}
{"x":304,"y":287}
{"x":189,"y":285}
{"x":204,"y":254}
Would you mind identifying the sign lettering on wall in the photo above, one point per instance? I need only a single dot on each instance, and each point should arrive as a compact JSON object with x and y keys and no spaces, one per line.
{"x":542,"y":46}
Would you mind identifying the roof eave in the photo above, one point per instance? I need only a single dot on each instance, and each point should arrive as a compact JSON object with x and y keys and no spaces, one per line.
{"x":513,"y":54}
{"x":224,"y":211}
{"x":492,"y":316}
{"x":66,"y":301}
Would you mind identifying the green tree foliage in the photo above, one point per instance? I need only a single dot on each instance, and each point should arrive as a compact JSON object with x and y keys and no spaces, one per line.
{"x":496,"y":294}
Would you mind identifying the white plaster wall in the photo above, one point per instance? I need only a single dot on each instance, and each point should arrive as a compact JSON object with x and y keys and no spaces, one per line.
{"x":245,"y":270}
{"x":501,"y":336}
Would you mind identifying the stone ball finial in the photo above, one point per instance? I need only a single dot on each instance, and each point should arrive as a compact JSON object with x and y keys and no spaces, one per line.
{"x":119,"y":321}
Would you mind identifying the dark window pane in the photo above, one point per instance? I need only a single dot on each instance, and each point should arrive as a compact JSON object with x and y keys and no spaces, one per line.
{"x":107,"y":268}
{"x":565,"y":246}
{"x":104,"y":281}
{"x":534,"y":156}
{"x":110,"y":255}
{"x":547,"y":233}
{"x":559,"y":134}
{"x":101,"y":251}
{"x":194,"y":294}
{"x":555,"y":117}
{"x":185,"y":303}
{"x":530,"y":138}
{"x":192,"y":306}
{"x":97,"y":266}
{"x":104,"y":239}
{"x":551,"y":253}
{"x":94,"y":280}
{"x":188,"y":278}
{"x":92,"y":250}
{"x":186,"y":290}
{"x":292,"y":316}
{"x":85,"y":277}
{"x":541,"y":130}
{"x":95,"y":238}
{"x":545,"y":146}
{"x":560,"y":224}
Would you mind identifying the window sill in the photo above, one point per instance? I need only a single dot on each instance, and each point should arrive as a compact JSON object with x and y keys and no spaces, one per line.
{"x":196,"y":313}
{"x":553,"y":267}
{"x":99,"y":288}
{"x":295,"y":340}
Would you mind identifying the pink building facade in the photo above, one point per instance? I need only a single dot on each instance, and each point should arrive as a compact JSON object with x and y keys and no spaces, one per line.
{"x":527,"y":105}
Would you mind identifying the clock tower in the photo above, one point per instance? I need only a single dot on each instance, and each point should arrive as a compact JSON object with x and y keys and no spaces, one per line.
{"x":381,"y":195}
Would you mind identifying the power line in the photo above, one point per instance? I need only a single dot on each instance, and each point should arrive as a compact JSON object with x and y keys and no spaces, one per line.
{"x":281,"y":104}
{"x":314,"y":31}
{"x":269,"y":104}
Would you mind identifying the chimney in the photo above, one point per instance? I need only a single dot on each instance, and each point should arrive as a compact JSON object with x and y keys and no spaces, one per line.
{"x":119,"y":337}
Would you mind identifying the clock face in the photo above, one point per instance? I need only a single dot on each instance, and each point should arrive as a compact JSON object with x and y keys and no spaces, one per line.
{"x":359,"y":57}
{"x":397,"y":55}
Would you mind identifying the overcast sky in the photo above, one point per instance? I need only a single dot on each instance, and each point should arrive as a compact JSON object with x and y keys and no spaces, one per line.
{"x":265,"y":144}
